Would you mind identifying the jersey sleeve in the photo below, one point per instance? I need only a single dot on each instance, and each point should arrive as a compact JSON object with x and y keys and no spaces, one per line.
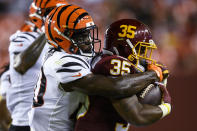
{"x":5,"y":84}
{"x":21,"y":40}
{"x":112,"y":65}
{"x":70,"y":67}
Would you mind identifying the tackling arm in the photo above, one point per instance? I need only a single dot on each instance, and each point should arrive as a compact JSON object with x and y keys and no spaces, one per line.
{"x":118,"y":87}
{"x":26,"y":59}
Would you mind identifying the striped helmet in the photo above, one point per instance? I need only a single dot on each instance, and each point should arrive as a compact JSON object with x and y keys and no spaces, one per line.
{"x":70,"y":27}
{"x":39,"y":9}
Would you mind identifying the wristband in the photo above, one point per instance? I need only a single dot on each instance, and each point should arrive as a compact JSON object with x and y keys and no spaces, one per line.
{"x":166,"y":109}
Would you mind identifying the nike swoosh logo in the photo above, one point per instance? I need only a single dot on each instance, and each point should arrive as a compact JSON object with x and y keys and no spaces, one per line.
{"x":78,"y":75}
{"x":19,"y":45}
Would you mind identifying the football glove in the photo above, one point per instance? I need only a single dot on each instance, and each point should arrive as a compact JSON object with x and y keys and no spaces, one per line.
{"x":164,"y":69}
{"x":157,"y":69}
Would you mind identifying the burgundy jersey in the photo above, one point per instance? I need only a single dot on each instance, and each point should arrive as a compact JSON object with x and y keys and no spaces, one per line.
{"x":100,"y":114}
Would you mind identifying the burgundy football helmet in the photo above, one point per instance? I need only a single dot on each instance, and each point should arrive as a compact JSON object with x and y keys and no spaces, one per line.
{"x":131,"y":39}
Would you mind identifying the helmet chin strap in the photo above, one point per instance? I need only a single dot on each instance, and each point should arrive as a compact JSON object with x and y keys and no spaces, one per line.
{"x":110,"y":52}
{"x":116,"y":50}
{"x":86,"y":54}
{"x":107,"y":52}
{"x":140,"y":68}
{"x":131,"y":45}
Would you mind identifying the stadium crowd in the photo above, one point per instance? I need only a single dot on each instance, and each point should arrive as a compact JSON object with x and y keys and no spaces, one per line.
{"x":173,"y":24}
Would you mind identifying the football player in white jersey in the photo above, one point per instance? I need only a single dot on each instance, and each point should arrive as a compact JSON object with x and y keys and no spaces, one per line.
{"x":26,"y":50}
{"x":19,"y":95}
{"x":5,"y":81}
{"x":72,"y":33}
{"x":4,"y":86}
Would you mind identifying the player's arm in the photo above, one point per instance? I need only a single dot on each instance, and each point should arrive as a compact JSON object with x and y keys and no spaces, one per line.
{"x":143,"y":114}
{"x":136,"y":113}
{"x":5,"y":118}
{"x":26,"y":59}
{"x":118,"y":87}
{"x":5,"y":81}
{"x":139,"y":114}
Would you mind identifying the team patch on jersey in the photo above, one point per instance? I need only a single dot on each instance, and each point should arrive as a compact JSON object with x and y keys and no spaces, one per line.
{"x":21,"y":44}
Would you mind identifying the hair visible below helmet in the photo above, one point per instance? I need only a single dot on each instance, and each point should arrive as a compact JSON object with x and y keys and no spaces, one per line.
{"x":39,"y":9}
{"x":131,"y":39}
{"x":70,"y":27}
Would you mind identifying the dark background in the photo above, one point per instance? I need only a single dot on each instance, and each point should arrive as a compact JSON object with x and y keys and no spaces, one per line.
{"x":183,"y":115}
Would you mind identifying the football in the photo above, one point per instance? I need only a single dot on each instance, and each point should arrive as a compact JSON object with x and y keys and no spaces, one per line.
{"x":150,"y":95}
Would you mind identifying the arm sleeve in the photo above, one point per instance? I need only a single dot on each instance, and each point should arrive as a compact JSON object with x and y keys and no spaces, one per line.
{"x":70,"y":68}
{"x":21,"y":40}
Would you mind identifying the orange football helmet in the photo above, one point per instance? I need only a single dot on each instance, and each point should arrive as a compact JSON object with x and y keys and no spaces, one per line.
{"x":40,"y":8}
{"x":71,"y":28}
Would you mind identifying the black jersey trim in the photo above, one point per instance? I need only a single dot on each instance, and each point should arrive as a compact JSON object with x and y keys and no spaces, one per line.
{"x":77,"y":59}
{"x":72,"y":64}
{"x":17,"y":41}
{"x":68,"y":70}
{"x":31,"y":35}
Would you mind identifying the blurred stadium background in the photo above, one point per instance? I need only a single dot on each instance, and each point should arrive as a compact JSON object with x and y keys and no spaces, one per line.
{"x":174,"y":27}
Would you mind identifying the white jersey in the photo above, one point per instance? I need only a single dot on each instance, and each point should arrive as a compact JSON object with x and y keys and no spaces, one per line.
{"x":5,"y":83}
{"x":54,"y":109}
{"x":20,"y":96}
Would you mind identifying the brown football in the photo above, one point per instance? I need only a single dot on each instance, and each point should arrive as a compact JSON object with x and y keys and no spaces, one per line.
{"x":150,"y":95}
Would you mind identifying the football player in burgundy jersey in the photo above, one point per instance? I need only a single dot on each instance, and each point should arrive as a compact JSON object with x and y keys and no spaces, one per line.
{"x":66,"y":72}
{"x":124,"y":39}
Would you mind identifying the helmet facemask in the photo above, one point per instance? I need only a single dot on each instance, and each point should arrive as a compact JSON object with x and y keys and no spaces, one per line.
{"x":84,"y":40}
{"x":142,"y":51}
